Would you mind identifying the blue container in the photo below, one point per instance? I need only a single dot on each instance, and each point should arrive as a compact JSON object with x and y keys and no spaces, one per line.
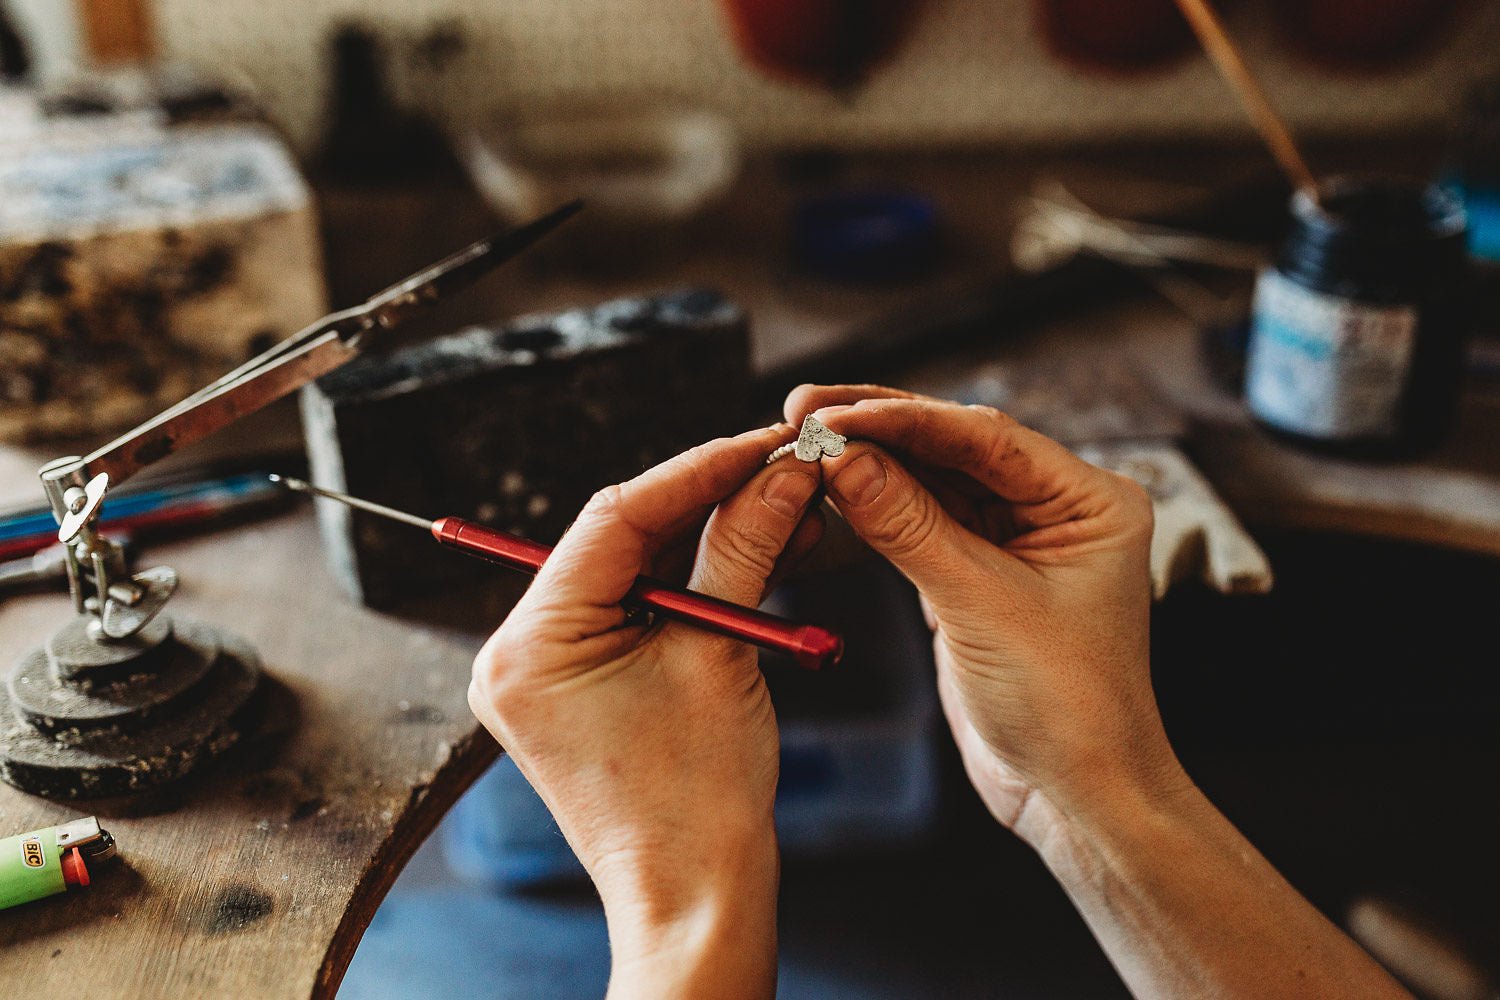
{"x":867,"y":237}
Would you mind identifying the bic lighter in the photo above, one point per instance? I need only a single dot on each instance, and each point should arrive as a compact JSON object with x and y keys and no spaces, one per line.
{"x":45,"y":862}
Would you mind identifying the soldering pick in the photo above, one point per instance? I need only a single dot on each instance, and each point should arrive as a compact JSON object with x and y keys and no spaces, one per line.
{"x":813,"y":648}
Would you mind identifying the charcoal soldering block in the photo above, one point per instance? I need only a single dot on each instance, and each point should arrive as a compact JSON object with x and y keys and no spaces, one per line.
{"x":514,"y":426}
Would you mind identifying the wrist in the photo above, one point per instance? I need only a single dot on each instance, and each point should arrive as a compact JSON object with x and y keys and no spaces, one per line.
{"x":1093,"y":790}
{"x":706,"y":928}
{"x":1114,"y":819}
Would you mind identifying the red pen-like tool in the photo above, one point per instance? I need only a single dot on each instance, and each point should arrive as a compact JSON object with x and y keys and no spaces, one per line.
{"x":813,"y":648}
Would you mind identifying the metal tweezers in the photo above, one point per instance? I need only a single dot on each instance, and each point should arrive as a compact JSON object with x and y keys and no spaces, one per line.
{"x":308,"y":354}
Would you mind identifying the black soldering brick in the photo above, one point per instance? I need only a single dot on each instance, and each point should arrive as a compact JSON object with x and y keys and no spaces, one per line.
{"x":515,"y":427}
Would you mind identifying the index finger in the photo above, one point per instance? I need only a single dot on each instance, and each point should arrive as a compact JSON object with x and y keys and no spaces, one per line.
{"x":596,"y":562}
{"x":1016,"y":463}
{"x":809,"y":397}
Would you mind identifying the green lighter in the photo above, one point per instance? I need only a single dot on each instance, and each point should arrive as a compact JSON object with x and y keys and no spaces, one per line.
{"x":46,"y":862}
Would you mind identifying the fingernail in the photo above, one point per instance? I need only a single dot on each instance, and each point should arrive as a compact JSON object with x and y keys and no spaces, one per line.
{"x":824,"y":412}
{"x":859,"y":482}
{"x":788,"y":492}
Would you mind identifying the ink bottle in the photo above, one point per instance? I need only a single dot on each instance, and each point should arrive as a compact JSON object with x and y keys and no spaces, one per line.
{"x":1357,"y":331}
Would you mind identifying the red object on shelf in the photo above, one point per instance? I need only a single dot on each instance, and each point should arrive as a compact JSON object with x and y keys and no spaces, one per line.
{"x":1121,"y":36}
{"x":834,"y":43}
{"x":1364,"y":34}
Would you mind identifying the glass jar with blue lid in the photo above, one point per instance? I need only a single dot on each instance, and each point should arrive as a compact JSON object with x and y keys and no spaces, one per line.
{"x":1357,"y":331}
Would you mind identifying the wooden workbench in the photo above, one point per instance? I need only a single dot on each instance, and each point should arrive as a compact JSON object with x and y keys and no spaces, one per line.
{"x":258,"y":880}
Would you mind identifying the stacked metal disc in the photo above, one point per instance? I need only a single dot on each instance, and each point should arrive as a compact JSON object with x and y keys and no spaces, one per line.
{"x":86,"y":718}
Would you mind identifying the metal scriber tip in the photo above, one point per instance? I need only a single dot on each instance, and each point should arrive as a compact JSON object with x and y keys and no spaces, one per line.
{"x":302,"y":486}
{"x":463,"y":268}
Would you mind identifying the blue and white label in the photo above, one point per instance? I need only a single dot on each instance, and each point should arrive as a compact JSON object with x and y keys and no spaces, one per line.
{"x":1323,"y":366}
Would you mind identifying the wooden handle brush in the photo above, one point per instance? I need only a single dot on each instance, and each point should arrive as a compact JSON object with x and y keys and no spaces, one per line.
{"x":1216,"y":42}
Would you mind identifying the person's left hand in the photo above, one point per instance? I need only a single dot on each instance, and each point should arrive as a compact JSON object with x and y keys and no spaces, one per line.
{"x":656,"y":748}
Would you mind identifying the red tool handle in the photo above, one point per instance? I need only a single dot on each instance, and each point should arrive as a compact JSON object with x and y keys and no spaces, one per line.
{"x":813,"y":648}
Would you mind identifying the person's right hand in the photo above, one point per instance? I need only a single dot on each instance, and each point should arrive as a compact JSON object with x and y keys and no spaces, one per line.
{"x":1033,"y":570}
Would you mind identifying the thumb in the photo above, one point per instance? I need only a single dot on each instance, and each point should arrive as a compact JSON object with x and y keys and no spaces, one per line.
{"x":896,"y":516}
{"x":750,"y":530}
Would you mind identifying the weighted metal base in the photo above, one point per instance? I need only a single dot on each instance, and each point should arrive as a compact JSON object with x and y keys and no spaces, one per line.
{"x":86,"y":718}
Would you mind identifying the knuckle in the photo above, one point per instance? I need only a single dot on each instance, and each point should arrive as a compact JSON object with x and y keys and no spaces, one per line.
{"x":486,"y":669}
{"x":1136,"y":494}
{"x":700,"y":452}
{"x":1131,"y":493}
{"x":605,"y":499}
{"x":804,"y":390}
{"x":994,"y":416}
{"x":911,"y":527}
{"x":478,"y":704}
{"x":1002,"y":448}
{"x":1136,"y":507}
{"x":492,"y":664}
{"x":700,"y":457}
{"x":748,"y":546}
{"x":800,"y":400}
{"x":496,"y":687}
{"x":604,"y":503}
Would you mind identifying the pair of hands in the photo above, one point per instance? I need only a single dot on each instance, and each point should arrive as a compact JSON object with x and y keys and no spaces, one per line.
{"x":656,"y":749}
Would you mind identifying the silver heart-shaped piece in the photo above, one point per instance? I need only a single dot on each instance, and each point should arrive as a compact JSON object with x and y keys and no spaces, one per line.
{"x":815,"y":441}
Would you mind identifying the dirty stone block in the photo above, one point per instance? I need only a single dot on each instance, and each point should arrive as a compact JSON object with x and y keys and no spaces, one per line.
{"x":138,"y":262}
{"x":515,"y":427}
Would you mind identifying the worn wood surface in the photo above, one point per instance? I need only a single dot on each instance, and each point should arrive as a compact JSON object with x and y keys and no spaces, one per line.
{"x":1451,"y":499}
{"x":260,"y":878}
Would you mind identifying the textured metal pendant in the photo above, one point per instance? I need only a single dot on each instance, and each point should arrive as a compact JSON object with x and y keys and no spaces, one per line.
{"x":813,"y":442}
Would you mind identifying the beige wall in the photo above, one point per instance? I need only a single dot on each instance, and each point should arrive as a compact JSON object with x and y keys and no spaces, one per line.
{"x":973,"y":70}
